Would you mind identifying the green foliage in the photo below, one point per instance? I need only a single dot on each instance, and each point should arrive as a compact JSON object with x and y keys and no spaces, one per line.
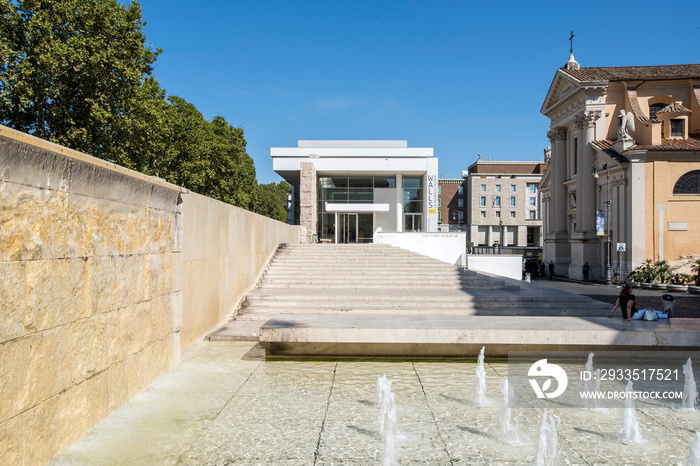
{"x":679,"y":279}
{"x":272,"y":200}
{"x":231,"y":173}
{"x":645,"y":273}
{"x":663,"y":271}
{"x":70,"y":70}
{"x":207,"y":157}
{"x":77,"y":72}
{"x":696,"y":268}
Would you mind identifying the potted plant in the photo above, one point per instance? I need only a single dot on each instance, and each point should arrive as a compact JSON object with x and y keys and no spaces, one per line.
{"x":678,"y":282}
{"x":695,"y":278}
{"x":635,"y":277}
{"x":646,"y":274}
{"x":662,"y":273}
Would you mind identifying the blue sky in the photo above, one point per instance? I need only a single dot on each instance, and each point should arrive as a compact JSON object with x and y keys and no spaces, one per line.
{"x":463,"y":77}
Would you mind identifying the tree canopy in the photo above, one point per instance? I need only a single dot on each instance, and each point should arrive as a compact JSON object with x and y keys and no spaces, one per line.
{"x":272,"y":200}
{"x":78,"y":73}
{"x":70,"y":69}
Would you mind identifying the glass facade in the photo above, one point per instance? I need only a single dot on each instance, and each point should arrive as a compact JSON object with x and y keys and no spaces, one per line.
{"x":345,"y":189}
{"x":413,"y":203}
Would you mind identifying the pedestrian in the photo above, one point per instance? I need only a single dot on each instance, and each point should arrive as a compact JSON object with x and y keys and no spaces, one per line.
{"x":586,"y":268}
{"x":625,"y":302}
{"x":542,"y":275}
{"x":551,"y":270}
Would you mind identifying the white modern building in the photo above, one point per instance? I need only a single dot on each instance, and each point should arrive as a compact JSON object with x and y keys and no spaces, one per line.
{"x":346,"y":191}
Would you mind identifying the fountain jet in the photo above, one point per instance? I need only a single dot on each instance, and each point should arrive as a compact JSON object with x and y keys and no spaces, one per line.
{"x":388,"y":426}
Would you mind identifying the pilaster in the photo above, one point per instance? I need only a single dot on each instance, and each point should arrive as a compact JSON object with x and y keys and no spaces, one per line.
{"x":558,"y":249}
{"x":558,"y":192}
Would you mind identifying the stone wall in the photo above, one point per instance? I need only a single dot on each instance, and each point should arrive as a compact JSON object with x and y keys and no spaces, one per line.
{"x":89,"y":290}
{"x":308,"y":208}
{"x":225,"y":250}
{"x":92,"y":285}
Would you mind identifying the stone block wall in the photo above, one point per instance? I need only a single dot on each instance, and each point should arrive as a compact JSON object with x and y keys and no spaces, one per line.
{"x":308,"y":203}
{"x":90,"y":292}
{"x":225,"y":250}
{"x":96,"y":264}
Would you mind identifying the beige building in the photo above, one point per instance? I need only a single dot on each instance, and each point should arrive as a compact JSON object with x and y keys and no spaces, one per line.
{"x":503,"y":203}
{"x":623,"y":171}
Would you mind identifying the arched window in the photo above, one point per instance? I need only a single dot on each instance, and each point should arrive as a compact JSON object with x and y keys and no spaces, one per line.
{"x":688,"y":183}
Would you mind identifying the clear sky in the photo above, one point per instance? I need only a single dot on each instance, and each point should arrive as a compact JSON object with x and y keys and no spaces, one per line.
{"x":463,"y":77}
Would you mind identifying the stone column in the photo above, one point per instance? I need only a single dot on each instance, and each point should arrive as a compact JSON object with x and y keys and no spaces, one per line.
{"x":558,"y":191}
{"x":399,"y":203}
{"x":558,"y":247}
{"x":585,"y":182}
{"x":308,"y":206}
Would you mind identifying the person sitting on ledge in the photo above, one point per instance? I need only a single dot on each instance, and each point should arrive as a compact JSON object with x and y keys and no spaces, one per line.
{"x":625,"y":302}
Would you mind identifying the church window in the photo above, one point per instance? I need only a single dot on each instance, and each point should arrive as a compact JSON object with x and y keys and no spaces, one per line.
{"x":688,"y":183}
{"x":677,"y":127}
{"x":654,"y":109}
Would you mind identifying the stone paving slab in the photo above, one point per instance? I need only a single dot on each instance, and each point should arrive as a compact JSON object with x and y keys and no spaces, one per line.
{"x":238,"y":330}
{"x":426,"y":335}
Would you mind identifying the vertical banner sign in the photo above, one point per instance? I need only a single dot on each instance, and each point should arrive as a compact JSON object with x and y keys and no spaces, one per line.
{"x":432,"y":194}
{"x":600,"y":223}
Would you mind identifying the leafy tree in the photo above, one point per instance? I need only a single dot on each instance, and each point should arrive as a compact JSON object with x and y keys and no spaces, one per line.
{"x":207,"y":157}
{"x":272,"y":200}
{"x":184,"y":155}
{"x":77,"y":72}
{"x":70,"y":71}
{"x":231,"y":173}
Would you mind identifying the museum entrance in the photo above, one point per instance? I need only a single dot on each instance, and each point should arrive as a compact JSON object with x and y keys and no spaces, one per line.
{"x":352,"y":227}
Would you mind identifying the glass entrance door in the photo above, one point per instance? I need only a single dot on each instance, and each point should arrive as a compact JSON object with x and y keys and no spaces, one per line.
{"x":346,"y":231}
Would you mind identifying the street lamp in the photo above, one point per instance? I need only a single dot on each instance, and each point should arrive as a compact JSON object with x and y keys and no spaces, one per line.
{"x":596,"y":161}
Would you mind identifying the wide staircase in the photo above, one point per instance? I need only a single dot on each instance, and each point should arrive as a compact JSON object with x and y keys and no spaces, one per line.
{"x":376,"y":279}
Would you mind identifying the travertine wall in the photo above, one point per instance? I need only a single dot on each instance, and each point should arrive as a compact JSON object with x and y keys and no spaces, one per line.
{"x":225,"y":250}
{"x":89,"y":291}
{"x":92,"y":285}
{"x":308,"y":208}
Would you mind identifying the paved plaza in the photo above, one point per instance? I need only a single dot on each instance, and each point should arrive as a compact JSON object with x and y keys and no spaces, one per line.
{"x":686,"y":304}
{"x":226,"y":404}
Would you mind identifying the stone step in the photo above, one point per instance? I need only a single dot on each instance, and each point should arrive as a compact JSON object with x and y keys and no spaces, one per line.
{"x":382,"y":265}
{"x":265,"y":305}
{"x":343,"y":295}
{"x":369,"y":275}
{"x":428,"y":286}
{"x":277,"y":313}
{"x":358,"y":257}
{"x":318,"y":269}
{"x":335,"y":296}
{"x":464,"y":336}
{"x":360,"y":282}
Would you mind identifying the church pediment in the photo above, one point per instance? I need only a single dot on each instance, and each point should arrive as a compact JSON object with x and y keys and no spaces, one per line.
{"x":562,"y":87}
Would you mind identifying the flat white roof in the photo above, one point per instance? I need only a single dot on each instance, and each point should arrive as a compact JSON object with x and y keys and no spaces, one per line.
{"x":352,"y":143}
{"x":345,"y":157}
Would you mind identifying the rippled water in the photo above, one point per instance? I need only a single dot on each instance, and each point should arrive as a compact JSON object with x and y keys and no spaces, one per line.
{"x":226,"y":406}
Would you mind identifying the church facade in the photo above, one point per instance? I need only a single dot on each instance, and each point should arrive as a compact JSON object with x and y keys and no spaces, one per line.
{"x":622,"y":182}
